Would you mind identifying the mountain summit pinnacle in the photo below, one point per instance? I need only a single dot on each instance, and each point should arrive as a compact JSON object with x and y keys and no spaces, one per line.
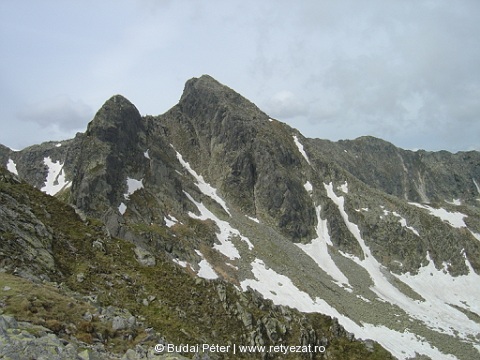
{"x":207,"y":94}
{"x":117,"y":115}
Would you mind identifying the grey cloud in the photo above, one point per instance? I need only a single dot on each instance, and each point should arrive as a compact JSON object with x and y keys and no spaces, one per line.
{"x":285,"y":104}
{"x":404,"y":71}
{"x":60,"y":112}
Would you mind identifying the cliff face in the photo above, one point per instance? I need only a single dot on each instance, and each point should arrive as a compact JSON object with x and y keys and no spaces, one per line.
{"x":419,"y":176}
{"x":220,"y":189}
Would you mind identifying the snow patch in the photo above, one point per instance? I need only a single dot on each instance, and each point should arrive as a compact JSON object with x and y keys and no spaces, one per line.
{"x":455,"y":219}
{"x":308,"y":186}
{"x":182,"y":263}
{"x":318,"y":251}
{"x":122,"y":208}
{"x":456,"y":202}
{"x":226,"y":247}
{"x":206,"y":270}
{"x":300,"y":148}
{"x":363,"y":298}
{"x":146,"y":154}
{"x":132,"y":186}
{"x":12,"y":167}
{"x":202,"y":185}
{"x":253,"y":219}
{"x":277,"y":288}
{"x":55,"y":180}
{"x":343,"y":187}
{"x":58,"y":145}
{"x":441,"y":290}
{"x":170,"y":220}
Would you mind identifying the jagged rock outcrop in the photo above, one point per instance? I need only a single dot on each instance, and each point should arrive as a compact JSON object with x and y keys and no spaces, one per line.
{"x":109,"y":150}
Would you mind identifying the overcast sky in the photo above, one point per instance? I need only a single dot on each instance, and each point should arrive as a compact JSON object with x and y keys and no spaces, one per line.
{"x":407,"y":71}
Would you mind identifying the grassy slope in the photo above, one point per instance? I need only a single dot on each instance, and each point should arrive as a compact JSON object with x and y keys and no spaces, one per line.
{"x":183,"y":308}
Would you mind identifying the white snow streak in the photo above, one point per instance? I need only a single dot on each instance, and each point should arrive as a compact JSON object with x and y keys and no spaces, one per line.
{"x":253,"y":219}
{"x":202,"y":185}
{"x":456,"y":202}
{"x":402,"y":221}
{"x":170,"y":220}
{"x":180,"y":262}
{"x":476,"y":185}
{"x":226,"y":247}
{"x":300,"y":148}
{"x":318,"y":251}
{"x":475,"y":235}
{"x":12,"y":167}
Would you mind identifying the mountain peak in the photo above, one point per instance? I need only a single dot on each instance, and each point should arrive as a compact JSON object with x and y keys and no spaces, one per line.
{"x":205,"y":83}
{"x":118,"y":105}
{"x":207,"y":93}
{"x":206,"y":87}
{"x":117,"y":112}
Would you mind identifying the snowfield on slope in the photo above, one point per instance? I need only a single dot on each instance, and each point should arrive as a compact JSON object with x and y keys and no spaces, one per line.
{"x":436,"y":311}
{"x":282,"y":291}
{"x":318,"y":250}
{"x":55,"y":180}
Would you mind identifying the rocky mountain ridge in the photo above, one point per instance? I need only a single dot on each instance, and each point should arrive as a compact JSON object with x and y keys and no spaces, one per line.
{"x":227,"y":192}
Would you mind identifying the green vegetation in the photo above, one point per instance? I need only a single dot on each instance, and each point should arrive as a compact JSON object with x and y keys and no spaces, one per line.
{"x":96,"y":272}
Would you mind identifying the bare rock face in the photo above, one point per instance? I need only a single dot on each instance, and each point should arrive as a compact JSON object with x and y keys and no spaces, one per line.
{"x":24,"y":238}
{"x":254,"y":164}
{"x":108,"y":151}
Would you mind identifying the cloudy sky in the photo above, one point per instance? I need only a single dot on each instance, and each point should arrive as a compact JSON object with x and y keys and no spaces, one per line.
{"x":407,"y":71}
